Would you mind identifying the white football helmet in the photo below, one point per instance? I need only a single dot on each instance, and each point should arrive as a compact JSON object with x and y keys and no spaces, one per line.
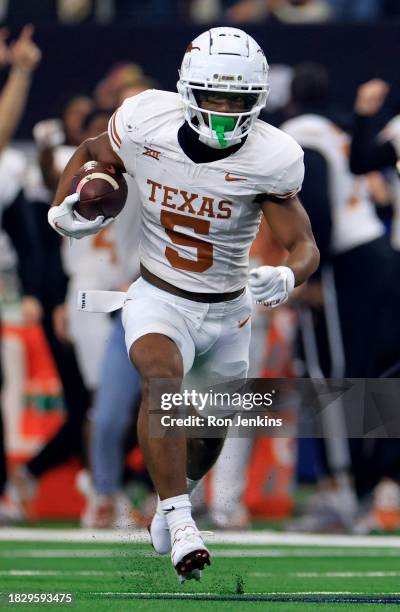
{"x":223,"y":60}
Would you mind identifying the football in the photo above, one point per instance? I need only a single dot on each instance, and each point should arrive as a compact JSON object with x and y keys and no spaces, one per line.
{"x":102,"y":189}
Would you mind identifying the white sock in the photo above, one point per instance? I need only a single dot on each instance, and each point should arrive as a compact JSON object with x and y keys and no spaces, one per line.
{"x":191,"y":485}
{"x":177,"y":511}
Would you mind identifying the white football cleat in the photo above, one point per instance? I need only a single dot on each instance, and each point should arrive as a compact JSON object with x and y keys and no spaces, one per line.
{"x":189,"y":554}
{"x":159,"y":534}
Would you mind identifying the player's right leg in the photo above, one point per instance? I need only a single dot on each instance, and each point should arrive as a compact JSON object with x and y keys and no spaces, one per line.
{"x":160,"y":347}
{"x":156,"y":356}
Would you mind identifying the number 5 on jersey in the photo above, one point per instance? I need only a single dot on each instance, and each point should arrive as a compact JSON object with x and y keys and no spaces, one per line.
{"x":204,"y":258}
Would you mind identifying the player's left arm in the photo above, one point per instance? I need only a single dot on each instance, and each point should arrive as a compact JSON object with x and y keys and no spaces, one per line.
{"x":290,"y":225}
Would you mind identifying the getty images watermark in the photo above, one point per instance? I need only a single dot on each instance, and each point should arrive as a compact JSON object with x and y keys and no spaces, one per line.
{"x":210,"y":407}
{"x":304,"y":408}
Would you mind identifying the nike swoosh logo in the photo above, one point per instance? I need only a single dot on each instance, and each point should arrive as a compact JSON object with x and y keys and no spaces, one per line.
{"x":167,"y":510}
{"x":232,"y":177}
{"x":243,"y":323}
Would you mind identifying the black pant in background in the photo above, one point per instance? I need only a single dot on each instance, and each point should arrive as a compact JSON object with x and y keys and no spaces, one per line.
{"x":366,"y":289}
{"x":368,"y":298}
{"x":69,"y":440}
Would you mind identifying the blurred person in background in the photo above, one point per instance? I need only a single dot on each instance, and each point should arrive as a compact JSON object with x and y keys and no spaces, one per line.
{"x":88,"y":263}
{"x":353,"y":225}
{"x":353,"y":241}
{"x":56,"y":140}
{"x":117,"y":381}
{"x":381,"y":151}
{"x":122,"y":80}
{"x":370,"y":151}
{"x":23,"y":56}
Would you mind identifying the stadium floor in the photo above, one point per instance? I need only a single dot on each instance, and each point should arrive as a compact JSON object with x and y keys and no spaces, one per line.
{"x":105,"y":571}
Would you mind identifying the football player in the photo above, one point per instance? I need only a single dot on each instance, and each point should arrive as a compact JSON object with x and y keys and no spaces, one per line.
{"x":207,"y":170}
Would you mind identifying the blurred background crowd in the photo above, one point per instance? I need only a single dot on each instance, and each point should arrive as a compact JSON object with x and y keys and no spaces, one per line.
{"x":196,"y":11}
{"x":68,"y":447}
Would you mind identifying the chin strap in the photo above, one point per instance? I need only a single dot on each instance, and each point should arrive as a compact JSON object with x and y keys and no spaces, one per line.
{"x":220,"y":125}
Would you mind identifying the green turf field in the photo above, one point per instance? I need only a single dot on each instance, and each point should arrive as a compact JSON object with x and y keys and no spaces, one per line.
{"x":129,"y":576}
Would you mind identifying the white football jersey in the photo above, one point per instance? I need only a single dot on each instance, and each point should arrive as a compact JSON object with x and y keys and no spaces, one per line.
{"x":109,"y":258}
{"x":354,"y":220}
{"x":199,"y":220}
{"x":391,"y":133}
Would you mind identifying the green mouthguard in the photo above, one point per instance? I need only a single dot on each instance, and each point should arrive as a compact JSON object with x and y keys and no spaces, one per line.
{"x":221,"y":125}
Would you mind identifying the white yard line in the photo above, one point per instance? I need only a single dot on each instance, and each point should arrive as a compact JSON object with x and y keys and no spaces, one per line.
{"x":69,"y":573}
{"x":24,"y":534}
{"x":246,"y":594}
{"x":376,"y":574}
{"x":69,"y":553}
{"x":102,"y":536}
{"x":223,"y":553}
